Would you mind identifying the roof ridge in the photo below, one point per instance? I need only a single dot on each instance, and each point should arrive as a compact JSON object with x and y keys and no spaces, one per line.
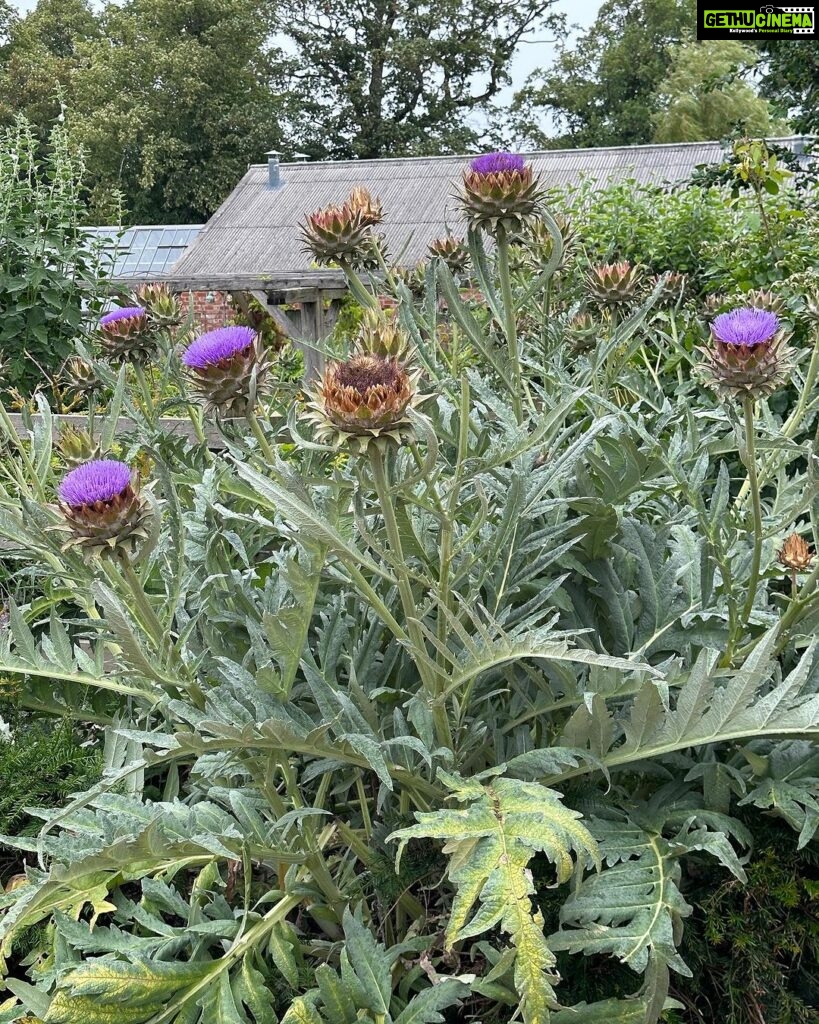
{"x":531,"y":153}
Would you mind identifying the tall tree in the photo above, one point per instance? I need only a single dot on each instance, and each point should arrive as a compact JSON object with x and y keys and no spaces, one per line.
{"x":702,"y":97}
{"x":171,"y":99}
{"x":380,"y":77}
{"x":790,"y":80}
{"x":176,"y":99}
{"x":601,"y":91}
{"x":40,"y":57}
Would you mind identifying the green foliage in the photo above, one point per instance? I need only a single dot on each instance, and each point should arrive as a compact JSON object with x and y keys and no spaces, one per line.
{"x":376,"y":80}
{"x":41,"y":765}
{"x":46,"y":256}
{"x":752,"y":948}
{"x":603,"y":88}
{"x":702,"y":96}
{"x":490,"y":845}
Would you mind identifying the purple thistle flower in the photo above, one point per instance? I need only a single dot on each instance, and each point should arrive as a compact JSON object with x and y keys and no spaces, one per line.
{"x":745,"y":326}
{"x":129,"y":313}
{"x":217,"y":346}
{"x":497,"y":163}
{"x":99,"y":480}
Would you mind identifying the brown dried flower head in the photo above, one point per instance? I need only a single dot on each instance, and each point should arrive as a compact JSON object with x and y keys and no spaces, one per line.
{"x":364,"y":397}
{"x":796,"y":553}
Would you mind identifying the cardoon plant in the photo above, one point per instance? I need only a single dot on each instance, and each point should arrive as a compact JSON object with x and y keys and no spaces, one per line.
{"x":502,"y":634}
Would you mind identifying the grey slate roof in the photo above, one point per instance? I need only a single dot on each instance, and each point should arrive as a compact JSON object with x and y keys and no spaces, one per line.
{"x":255,"y":231}
{"x":149,"y":251}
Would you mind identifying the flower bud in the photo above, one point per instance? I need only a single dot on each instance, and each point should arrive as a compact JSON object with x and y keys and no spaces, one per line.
{"x":368,"y":208}
{"x":452,"y":251}
{"x":583,"y":332}
{"x":103,"y":511}
{"x":227,"y":369}
{"x":415,"y":278}
{"x":612,"y":284}
{"x":748,"y":354}
{"x":336,"y":232}
{"x":538,"y":245}
{"x":673,"y":287}
{"x":77,"y":375}
{"x":162,"y":307}
{"x":499,"y":189}
{"x":127,"y":336}
{"x":380,"y":335}
{"x":76,"y":446}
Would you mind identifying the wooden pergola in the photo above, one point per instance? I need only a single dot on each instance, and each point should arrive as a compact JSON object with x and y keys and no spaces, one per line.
{"x":316,"y":294}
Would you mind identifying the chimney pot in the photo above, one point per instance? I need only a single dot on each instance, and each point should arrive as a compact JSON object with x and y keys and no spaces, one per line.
{"x":273,"y":176}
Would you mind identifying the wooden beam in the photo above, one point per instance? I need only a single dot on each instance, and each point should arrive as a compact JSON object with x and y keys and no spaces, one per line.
{"x":293,"y":280}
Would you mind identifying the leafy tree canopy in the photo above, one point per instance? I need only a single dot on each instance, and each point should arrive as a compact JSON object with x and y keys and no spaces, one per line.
{"x":601,"y":89}
{"x":790,"y":79}
{"x":381,"y":78}
{"x":171,"y":99}
{"x":701,"y":97}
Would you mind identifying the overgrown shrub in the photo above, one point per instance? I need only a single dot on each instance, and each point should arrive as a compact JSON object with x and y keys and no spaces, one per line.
{"x":49,"y":273}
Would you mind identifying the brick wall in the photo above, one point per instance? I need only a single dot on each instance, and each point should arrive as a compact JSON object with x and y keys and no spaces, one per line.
{"x":210,"y":309}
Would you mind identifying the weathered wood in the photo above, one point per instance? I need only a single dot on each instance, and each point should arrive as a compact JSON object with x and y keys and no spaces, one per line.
{"x":289,"y":282}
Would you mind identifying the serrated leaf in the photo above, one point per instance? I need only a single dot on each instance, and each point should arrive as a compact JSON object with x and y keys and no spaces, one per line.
{"x":490,"y":842}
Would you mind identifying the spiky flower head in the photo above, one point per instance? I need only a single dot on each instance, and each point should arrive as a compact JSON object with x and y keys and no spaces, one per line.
{"x":163,"y":308}
{"x":537,"y":243}
{"x":796,"y":554}
{"x":748,"y":353}
{"x":583,"y":332}
{"x":500,"y":190}
{"x":103,"y":511}
{"x":673,"y":287}
{"x":76,"y":446}
{"x":415,"y":278}
{"x":717,"y":303}
{"x":763,"y":298}
{"x":452,"y":251}
{"x":127,"y":336}
{"x":227,"y":369}
{"x":336,"y":232}
{"x":78,"y":376}
{"x":612,"y":284}
{"x":380,"y":335}
{"x":369,"y":208}
{"x":362,"y":398}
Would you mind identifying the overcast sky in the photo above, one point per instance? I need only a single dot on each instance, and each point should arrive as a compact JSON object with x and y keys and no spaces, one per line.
{"x":534,"y":53}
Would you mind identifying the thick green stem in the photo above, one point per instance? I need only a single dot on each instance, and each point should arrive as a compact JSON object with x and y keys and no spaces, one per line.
{"x":149,"y":409}
{"x":148,"y":618}
{"x":405,"y":592}
{"x":258,"y":433}
{"x":792,"y":423}
{"x":509,"y":323}
{"x":756,"y":504}
{"x":357,"y":287}
{"x":20,"y":444}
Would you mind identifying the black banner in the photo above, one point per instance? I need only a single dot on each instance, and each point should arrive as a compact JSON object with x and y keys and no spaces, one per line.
{"x":758,"y":21}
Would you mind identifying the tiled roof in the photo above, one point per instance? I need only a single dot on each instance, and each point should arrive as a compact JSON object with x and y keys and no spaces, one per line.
{"x":148,"y":251}
{"x":255,"y":231}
